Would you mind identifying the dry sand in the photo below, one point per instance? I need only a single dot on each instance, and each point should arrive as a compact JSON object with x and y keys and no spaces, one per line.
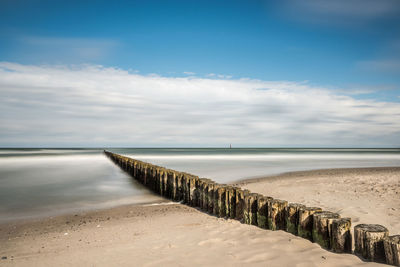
{"x":177,"y":235}
{"x":367,"y":195}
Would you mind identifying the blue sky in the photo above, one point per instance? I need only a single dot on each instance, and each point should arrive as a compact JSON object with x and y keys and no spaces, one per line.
{"x":348,"y":48}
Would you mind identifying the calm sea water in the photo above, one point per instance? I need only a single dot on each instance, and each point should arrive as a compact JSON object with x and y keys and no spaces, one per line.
{"x":45,"y":182}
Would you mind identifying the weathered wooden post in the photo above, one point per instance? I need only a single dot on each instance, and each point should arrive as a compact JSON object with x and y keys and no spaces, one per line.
{"x":240,"y":203}
{"x":193,"y":180}
{"x":139,"y":172}
{"x":221,"y":200}
{"x":322,"y":226}
{"x":305,"y":224}
{"x":215,"y":199}
{"x":247,"y":207}
{"x":151,"y":177}
{"x":145,"y":174}
{"x":134,"y":171}
{"x":341,"y":235}
{"x":184,"y":187}
{"x":252,"y":200}
{"x":201,"y":192}
{"x":262,"y":212}
{"x":157,"y":180}
{"x":276,"y":214}
{"x":210,"y":196}
{"x":165,"y":183}
{"x":292,"y":217}
{"x":228,"y":201}
{"x":368,"y":241}
{"x":232,"y":199}
{"x":391,"y":245}
{"x":178,"y":184}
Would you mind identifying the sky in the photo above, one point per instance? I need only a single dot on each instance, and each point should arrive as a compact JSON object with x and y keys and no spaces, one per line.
{"x":304,"y":73}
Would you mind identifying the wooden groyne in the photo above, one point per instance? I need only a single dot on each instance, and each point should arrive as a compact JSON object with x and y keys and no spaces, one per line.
{"x":328,"y":229}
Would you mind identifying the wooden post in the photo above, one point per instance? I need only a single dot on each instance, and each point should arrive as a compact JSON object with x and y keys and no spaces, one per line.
{"x":341,"y":235}
{"x":232,"y":199}
{"x":253,"y":200}
{"x":262,"y":212}
{"x":247,"y":207}
{"x":228,"y":201}
{"x":305,"y":224}
{"x":222,"y":201}
{"x":276,"y":214}
{"x":193,"y":200}
{"x":215,"y":199}
{"x":391,"y":245}
{"x":203,"y":193}
{"x":322,"y":226}
{"x":368,"y":240}
{"x":240,"y":203}
{"x":210,"y":196}
{"x":292,"y":217}
{"x":178,"y":184}
{"x":200,"y":192}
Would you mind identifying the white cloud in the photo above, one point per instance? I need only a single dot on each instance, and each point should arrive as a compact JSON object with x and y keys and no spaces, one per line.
{"x":96,"y":106}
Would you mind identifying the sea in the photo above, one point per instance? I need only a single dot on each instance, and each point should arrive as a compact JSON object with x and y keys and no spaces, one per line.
{"x":44,"y":182}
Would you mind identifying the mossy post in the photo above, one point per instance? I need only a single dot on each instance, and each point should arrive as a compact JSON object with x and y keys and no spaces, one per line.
{"x":151,"y":177}
{"x":203,"y":193}
{"x":207,"y":187}
{"x":247,"y":207}
{"x":305,"y":225}
{"x":253,"y":200}
{"x":322,"y":226}
{"x":391,"y":245}
{"x":232,"y":199}
{"x":134,"y":173}
{"x":229,"y":198}
{"x":164,"y":182}
{"x":200,"y":192}
{"x":193,"y":200}
{"x":262,"y":212}
{"x":210,"y":196}
{"x":240,"y":203}
{"x":341,"y":235}
{"x":276,"y":214}
{"x":178,"y":185}
{"x":215,"y":199}
{"x":368,"y":241}
{"x":222,"y":201}
{"x":159,"y":181}
{"x":292,"y":217}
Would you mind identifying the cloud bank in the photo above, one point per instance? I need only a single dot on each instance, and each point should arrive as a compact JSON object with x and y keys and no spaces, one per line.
{"x":91,"y":105}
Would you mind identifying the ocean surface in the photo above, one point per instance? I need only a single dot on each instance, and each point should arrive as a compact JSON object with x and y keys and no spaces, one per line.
{"x":47,"y":182}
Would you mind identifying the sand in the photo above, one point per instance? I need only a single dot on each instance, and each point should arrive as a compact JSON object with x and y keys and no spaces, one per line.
{"x":367,"y":195}
{"x":176,"y":235}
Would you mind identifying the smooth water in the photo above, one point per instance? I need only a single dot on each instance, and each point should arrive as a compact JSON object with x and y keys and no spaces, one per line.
{"x":43,"y":182}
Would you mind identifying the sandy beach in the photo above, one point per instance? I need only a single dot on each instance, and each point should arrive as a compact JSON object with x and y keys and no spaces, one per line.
{"x":367,"y":195}
{"x":176,"y":235}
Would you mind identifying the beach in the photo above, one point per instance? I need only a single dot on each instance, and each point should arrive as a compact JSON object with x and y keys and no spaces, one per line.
{"x":171,"y":234}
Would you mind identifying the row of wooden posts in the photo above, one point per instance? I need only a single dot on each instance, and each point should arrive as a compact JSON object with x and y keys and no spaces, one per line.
{"x":372,"y":241}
